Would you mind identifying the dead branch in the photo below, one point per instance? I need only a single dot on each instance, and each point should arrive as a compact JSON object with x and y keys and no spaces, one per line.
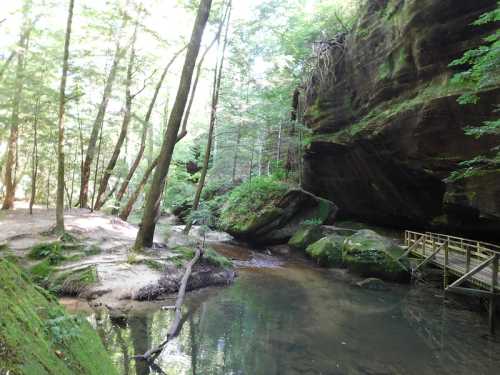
{"x":174,"y":329}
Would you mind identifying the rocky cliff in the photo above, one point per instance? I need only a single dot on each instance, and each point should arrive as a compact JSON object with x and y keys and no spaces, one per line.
{"x":387,"y":128}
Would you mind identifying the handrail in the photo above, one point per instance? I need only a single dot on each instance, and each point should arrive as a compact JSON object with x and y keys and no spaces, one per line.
{"x":478,"y":246}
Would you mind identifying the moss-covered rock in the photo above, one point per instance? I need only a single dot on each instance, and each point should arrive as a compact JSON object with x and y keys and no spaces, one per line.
{"x":37,"y":336}
{"x":265,"y":211}
{"x":305,"y":236}
{"x":327,"y":251}
{"x":371,"y":255}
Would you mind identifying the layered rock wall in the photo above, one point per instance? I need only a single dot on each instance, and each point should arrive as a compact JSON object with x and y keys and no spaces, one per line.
{"x":387,"y":128}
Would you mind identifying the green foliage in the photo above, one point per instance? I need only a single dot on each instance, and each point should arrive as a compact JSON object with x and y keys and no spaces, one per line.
{"x":212,"y":257}
{"x":61,"y":327}
{"x":483,"y":72}
{"x":51,"y":251}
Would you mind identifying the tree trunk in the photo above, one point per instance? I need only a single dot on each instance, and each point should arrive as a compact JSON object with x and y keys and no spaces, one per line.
{"x":60,"y":143}
{"x":96,"y":170}
{"x":34,"y":160}
{"x":124,"y":129}
{"x":146,"y":231}
{"x":10,"y":180}
{"x":91,"y":148}
{"x":135,"y":164}
{"x":236,"y":150}
{"x":125,"y":212}
{"x":213,"y":117}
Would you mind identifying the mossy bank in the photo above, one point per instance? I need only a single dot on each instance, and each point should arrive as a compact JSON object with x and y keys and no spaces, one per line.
{"x":38,"y":337}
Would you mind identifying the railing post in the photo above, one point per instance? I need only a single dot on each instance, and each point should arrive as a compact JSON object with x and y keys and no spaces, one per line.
{"x":424,"y":239}
{"x":494,"y":282}
{"x":467,"y":266}
{"x":445,"y":268}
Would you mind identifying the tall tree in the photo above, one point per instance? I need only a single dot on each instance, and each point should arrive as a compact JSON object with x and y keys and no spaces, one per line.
{"x":92,"y":145}
{"x":127,"y":209}
{"x":129,"y":97}
{"x":213,"y":118}
{"x":22,"y":48}
{"x":146,"y":231}
{"x":60,"y":143}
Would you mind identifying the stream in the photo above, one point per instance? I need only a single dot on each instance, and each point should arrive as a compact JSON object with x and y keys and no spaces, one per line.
{"x":284,"y":315}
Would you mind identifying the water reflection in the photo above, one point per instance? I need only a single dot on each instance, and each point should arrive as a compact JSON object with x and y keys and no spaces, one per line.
{"x":299,"y":320}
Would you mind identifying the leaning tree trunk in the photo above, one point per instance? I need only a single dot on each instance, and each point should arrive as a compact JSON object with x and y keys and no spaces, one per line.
{"x":213,"y":116}
{"x":103,"y":185}
{"x":146,"y":231}
{"x":94,"y":135}
{"x":140,"y":154}
{"x":60,"y":143}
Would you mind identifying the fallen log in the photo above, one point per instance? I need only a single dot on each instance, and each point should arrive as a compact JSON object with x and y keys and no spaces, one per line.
{"x":174,"y":329}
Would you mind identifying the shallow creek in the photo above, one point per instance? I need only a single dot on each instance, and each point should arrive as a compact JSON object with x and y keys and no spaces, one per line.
{"x":285,"y":316}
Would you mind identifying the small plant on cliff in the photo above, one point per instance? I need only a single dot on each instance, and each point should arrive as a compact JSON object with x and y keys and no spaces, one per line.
{"x":483,"y":72}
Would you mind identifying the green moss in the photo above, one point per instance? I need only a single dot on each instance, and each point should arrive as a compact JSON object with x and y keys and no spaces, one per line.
{"x":384,"y":71}
{"x":41,"y":271}
{"x":184,"y":254}
{"x":327,"y":251}
{"x":154,"y":264}
{"x":372,"y":255}
{"x":251,"y":204}
{"x":72,"y":282}
{"x":37,"y":336}
{"x":306,"y":235}
{"x":374,"y":122}
{"x":215,"y":259}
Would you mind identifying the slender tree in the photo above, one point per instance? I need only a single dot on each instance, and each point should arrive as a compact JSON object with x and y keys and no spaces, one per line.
{"x":213,"y":118}
{"x":11,"y":162}
{"x":34,"y":156}
{"x":60,"y":143}
{"x":148,"y":223}
{"x":94,"y":135}
{"x":129,"y":97}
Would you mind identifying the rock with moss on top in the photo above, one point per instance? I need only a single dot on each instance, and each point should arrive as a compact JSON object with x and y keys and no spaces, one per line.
{"x":327,"y":251}
{"x":265,"y":211}
{"x":371,"y":255}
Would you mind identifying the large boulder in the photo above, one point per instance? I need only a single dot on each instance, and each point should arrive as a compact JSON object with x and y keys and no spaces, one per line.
{"x":371,"y":255}
{"x":277,"y":217}
{"x":387,"y":128}
{"x":327,"y":251}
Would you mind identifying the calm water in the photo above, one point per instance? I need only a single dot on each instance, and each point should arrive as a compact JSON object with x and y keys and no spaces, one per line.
{"x":301,"y":320}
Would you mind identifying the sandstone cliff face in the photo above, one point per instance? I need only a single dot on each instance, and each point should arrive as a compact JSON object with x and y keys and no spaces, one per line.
{"x":387,"y":129}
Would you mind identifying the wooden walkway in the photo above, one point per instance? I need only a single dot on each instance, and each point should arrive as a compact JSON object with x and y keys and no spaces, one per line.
{"x":474,"y":262}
